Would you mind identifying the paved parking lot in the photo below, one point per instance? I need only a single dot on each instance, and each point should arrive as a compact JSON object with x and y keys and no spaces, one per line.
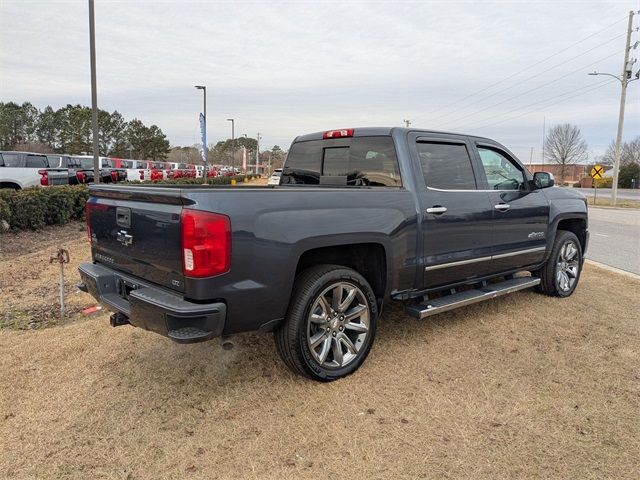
{"x":615,"y":238}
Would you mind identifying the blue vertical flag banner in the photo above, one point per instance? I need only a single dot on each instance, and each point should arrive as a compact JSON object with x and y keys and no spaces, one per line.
{"x":203,"y":135}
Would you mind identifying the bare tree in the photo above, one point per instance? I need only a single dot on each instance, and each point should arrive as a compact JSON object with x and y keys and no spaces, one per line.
{"x":564,"y":146}
{"x":629,"y":152}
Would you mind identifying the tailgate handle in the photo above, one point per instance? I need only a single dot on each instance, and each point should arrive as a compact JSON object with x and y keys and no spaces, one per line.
{"x":123,"y":217}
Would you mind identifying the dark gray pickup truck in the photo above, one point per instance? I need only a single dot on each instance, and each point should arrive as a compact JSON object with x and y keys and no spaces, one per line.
{"x":361,"y":217}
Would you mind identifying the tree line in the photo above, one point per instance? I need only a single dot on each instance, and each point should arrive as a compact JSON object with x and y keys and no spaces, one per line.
{"x":228,"y":152}
{"x":69,"y":130}
{"x":564,"y":146}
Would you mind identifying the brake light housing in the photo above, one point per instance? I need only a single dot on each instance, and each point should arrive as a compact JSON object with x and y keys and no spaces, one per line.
{"x":206,"y":243}
{"x":343,"y":133}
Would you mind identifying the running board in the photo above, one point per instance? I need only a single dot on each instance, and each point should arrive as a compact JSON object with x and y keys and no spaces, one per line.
{"x":468,"y":297}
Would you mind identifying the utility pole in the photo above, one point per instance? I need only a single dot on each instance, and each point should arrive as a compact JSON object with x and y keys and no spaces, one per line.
{"x":624,"y":80}
{"x":94,"y":93}
{"x":544,"y":135}
{"x":258,"y":138}
{"x":407,"y":123}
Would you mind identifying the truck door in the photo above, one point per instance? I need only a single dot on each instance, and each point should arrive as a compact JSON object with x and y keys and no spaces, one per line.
{"x":520,"y":213}
{"x":456,"y":215}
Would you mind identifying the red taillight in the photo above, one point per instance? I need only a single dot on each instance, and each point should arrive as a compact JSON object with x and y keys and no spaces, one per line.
{"x":345,"y":132}
{"x":44,"y":178}
{"x":206,"y":243}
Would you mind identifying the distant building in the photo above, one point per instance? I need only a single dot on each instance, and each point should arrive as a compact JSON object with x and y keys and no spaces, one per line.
{"x":572,"y":173}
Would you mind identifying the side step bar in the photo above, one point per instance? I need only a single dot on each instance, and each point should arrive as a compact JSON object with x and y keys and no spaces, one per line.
{"x":468,"y":297}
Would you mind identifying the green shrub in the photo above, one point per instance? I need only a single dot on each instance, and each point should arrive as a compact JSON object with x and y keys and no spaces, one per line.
{"x":33,"y":208}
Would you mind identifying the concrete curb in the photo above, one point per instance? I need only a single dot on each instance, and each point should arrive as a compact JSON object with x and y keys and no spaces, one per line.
{"x":613,"y":269}
{"x":608,"y":207}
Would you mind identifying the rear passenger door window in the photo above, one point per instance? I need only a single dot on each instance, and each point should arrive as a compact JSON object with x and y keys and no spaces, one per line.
{"x":446,"y":166}
{"x":37,"y":161}
{"x":501,"y":172}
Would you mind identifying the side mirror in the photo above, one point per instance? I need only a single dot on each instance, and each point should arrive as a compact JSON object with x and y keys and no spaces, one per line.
{"x":543,"y":180}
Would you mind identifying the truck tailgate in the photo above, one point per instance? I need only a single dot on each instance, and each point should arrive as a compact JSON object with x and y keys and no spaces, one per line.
{"x":137,"y":230}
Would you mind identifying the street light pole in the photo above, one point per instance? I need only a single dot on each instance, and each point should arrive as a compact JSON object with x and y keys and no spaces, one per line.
{"x":94,"y":92}
{"x":204,"y":132}
{"x":258,"y":138}
{"x":233,"y":143}
{"x":624,"y":80}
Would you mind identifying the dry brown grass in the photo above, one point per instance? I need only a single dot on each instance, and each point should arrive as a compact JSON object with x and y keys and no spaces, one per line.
{"x":524,"y":386}
{"x":620,"y":202}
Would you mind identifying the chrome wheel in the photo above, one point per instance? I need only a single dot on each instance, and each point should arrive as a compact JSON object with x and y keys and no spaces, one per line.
{"x":338,"y":325}
{"x":568,"y":266}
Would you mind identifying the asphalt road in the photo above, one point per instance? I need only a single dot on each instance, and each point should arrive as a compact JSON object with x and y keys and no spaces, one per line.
{"x":623,"y":193}
{"x":615,"y":237}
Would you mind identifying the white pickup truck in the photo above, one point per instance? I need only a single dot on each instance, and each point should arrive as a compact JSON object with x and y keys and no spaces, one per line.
{"x":20,"y":170}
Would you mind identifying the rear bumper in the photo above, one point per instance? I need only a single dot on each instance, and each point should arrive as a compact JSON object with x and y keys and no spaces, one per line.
{"x":153,"y":308}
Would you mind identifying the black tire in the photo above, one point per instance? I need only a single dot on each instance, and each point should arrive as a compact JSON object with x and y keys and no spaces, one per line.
{"x":293,"y":337}
{"x":550,"y":284}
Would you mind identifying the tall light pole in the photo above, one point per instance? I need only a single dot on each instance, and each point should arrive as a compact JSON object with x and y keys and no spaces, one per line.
{"x":258,"y":138}
{"x":94,"y":92}
{"x":624,"y":79}
{"x":233,"y":143}
{"x":204,"y":132}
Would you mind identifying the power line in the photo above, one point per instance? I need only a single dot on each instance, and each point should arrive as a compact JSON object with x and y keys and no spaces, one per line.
{"x":528,"y":79}
{"x":599,"y":85}
{"x":532,"y":65}
{"x":533,"y":89}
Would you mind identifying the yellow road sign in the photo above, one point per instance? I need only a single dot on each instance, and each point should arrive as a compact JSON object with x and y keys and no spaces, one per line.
{"x":597,"y":172}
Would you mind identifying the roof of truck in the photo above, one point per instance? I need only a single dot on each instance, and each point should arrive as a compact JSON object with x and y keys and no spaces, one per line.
{"x":380,"y":131}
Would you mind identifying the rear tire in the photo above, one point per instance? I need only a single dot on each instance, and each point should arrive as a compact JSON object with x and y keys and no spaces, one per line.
{"x":330,"y":324}
{"x":560,"y":275}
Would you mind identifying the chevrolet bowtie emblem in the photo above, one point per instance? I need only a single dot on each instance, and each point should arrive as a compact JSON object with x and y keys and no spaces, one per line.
{"x":124,"y":238}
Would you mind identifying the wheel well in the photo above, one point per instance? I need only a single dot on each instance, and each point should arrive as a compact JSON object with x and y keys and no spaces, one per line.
{"x":15,"y":186}
{"x":368,"y":259}
{"x":576,"y":225}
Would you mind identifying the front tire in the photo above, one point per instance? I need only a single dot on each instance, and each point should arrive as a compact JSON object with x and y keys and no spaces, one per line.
{"x":330,"y":324}
{"x":560,"y":275}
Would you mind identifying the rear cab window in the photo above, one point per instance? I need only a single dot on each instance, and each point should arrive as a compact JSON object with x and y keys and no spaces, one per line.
{"x":352,"y":161}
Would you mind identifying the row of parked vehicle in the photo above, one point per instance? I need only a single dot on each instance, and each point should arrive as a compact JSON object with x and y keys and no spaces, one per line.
{"x":24,"y":169}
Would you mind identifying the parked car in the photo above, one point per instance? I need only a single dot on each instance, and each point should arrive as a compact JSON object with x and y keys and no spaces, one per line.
{"x":361,"y":217}
{"x":25,"y":169}
{"x":274,"y":179}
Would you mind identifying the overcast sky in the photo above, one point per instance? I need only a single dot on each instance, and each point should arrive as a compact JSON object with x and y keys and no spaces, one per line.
{"x":287,"y":68}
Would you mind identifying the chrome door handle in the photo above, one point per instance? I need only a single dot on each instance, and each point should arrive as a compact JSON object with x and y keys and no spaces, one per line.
{"x":503,"y":207}
{"x":436,"y":210}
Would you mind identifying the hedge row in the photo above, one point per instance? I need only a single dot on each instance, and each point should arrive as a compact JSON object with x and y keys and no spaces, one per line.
{"x":33,"y":208}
